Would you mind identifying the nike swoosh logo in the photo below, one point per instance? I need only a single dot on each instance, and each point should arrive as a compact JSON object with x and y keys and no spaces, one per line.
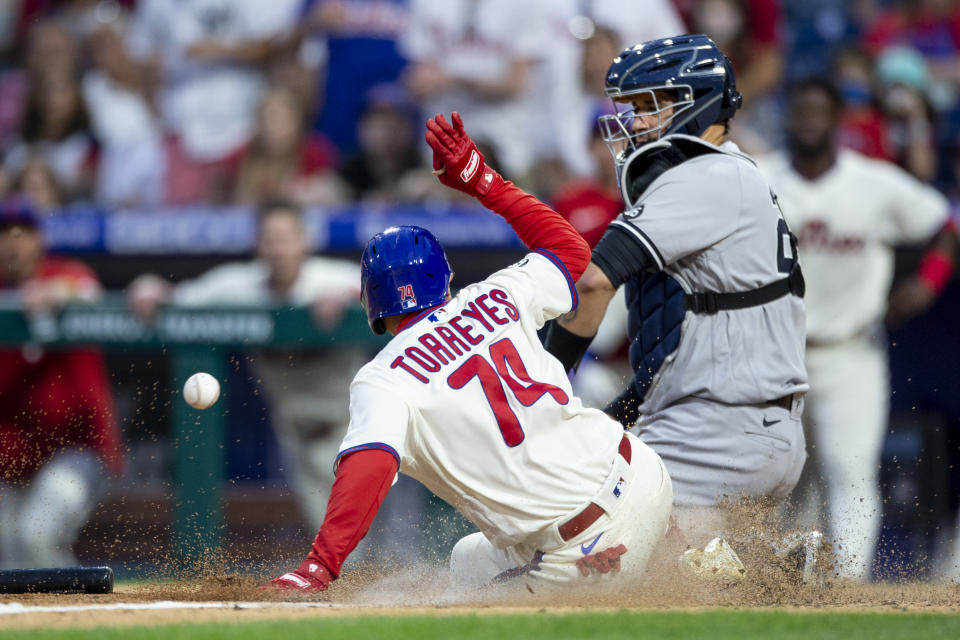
{"x":770,"y":423}
{"x":587,"y":549}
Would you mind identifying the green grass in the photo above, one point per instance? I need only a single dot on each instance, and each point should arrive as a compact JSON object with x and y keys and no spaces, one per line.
{"x":665,"y":625}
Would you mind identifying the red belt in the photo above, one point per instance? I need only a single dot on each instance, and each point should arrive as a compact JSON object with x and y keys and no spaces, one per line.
{"x":592,"y":511}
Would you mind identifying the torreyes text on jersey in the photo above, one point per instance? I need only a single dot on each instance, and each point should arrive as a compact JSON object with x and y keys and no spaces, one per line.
{"x":450,"y":339}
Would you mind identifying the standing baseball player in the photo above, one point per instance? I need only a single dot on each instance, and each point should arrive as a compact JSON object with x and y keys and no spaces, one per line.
{"x":713,"y":290}
{"x":849,"y":211}
{"x":466,"y":400}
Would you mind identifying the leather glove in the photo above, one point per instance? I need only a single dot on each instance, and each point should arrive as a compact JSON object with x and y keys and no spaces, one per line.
{"x":456,"y":160}
{"x":309,"y":577}
{"x":605,"y":561}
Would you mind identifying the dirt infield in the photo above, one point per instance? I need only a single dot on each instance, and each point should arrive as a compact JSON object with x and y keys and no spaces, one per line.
{"x":422,"y":591}
{"x":771,"y":582}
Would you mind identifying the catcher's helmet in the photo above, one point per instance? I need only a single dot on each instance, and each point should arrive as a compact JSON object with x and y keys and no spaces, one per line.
{"x":403,"y":269}
{"x":689,"y":66}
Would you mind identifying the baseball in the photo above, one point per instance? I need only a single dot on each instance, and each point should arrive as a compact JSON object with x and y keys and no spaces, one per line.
{"x":201,"y":390}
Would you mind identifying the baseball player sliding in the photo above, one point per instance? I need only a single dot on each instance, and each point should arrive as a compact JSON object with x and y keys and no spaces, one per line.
{"x":713,"y":288}
{"x":849,"y":211}
{"x":465,"y":399}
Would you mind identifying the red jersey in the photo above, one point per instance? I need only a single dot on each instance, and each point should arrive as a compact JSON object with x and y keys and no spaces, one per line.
{"x":53,"y":400}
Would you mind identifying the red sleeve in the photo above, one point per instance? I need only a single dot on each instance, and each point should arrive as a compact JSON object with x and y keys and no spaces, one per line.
{"x":80,"y":274}
{"x":936,"y":266}
{"x":539,"y":226}
{"x":363,"y":480}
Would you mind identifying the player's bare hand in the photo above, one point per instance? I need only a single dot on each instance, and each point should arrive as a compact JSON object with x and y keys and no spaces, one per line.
{"x":606,"y":561}
{"x":909,"y":299}
{"x":309,"y":577}
{"x":456,"y":160}
{"x":329,"y":308}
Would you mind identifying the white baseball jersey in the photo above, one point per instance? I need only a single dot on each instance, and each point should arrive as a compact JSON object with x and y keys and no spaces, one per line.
{"x":847,"y":222}
{"x":473,"y":407}
{"x":478,"y":41}
{"x":248,"y":283}
{"x":713,"y":225}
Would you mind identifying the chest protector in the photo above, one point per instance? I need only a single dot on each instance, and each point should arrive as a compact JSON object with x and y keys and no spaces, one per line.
{"x":655,"y":312}
{"x":656,"y":303}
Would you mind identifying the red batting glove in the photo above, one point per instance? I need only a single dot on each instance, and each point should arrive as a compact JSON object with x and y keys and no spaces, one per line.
{"x":605,"y":561}
{"x":309,"y":577}
{"x":456,"y":160}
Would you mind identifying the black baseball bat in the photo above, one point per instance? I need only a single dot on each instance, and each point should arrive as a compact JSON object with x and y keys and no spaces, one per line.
{"x":64,"y":580}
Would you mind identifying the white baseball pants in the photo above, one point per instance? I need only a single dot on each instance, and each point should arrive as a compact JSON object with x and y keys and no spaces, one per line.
{"x":637,"y":519}
{"x":846,"y":420}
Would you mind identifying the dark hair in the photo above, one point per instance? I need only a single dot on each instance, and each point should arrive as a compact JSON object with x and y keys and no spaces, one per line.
{"x":816,"y":83}
{"x":272,"y":206}
{"x":33,"y":111}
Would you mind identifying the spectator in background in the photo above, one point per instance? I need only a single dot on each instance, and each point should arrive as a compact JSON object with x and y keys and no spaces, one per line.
{"x":904,"y":84}
{"x":848,"y":212}
{"x":863,"y":127}
{"x":361,"y":44}
{"x":308,"y":392}
{"x":83,"y":17}
{"x":58,"y":435}
{"x":209,"y":59}
{"x":479,"y":57}
{"x":56,"y":128}
{"x":564,"y":147}
{"x":931,"y":27}
{"x":597,"y":53}
{"x":388,"y":167}
{"x":38,"y":185}
{"x":48,"y":47}
{"x":284,"y":161}
{"x":132,"y":161}
{"x":815,"y":32}
{"x":584,"y":38}
{"x":15,"y":20}
{"x":591,"y":202}
{"x":748,"y":30}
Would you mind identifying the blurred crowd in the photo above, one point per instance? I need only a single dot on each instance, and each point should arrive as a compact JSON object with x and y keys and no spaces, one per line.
{"x":147,"y":103}
{"x":150,"y":104}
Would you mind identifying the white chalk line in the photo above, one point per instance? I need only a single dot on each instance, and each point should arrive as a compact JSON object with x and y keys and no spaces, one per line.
{"x":13,"y":608}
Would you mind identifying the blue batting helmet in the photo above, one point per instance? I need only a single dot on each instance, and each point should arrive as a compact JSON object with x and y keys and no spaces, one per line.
{"x":403,"y":269}
{"x":695,"y":72}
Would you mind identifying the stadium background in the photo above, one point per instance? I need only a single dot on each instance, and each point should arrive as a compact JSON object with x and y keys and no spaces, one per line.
{"x":344,"y":65}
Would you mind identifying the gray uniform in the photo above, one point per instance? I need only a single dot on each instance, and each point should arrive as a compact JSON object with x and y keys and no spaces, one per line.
{"x":722,"y":392}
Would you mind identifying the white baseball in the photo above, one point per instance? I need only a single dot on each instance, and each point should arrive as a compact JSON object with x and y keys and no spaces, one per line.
{"x":201,"y":390}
